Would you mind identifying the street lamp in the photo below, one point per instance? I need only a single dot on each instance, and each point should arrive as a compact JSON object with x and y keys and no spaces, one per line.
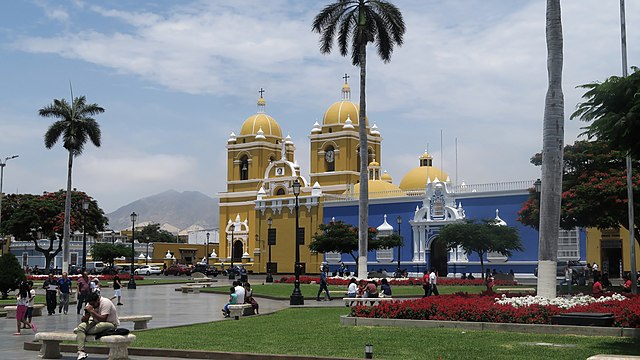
{"x":296,"y":297}
{"x":537,"y":185}
{"x":207,"y":250}
{"x":232,"y":275}
{"x":399,"y":220}
{"x":147,"y":258}
{"x":85,"y":207}
{"x":2,"y":165}
{"x":113,"y":237}
{"x":269,"y":241}
{"x":132,"y":281}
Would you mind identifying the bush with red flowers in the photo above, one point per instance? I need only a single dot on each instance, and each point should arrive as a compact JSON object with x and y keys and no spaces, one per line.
{"x":483,"y":308}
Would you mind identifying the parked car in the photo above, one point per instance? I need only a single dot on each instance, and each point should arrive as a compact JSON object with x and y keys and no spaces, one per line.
{"x":208,"y":270}
{"x":147,"y":270}
{"x":95,"y":267}
{"x":177,"y":270}
{"x":577,"y":269}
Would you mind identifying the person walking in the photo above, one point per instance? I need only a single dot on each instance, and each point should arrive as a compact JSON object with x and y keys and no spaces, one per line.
{"x":22,"y":301}
{"x":323,"y":285}
{"x":32,"y":298}
{"x":425,"y":283}
{"x":99,"y":315}
{"x":84,"y":289}
{"x":433,"y":282}
{"x":568,"y":278}
{"x":51,"y":293}
{"x":64,"y":292}
{"x":117,"y":289}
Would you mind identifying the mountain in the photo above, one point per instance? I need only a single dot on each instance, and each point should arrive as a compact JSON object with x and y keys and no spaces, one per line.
{"x":181,"y":210}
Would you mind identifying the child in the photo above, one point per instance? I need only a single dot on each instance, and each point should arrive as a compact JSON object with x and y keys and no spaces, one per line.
{"x":21,"y":311}
{"x":32,"y":298}
{"x":117,"y":289}
{"x":95,"y":286}
{"x":233,"y":299}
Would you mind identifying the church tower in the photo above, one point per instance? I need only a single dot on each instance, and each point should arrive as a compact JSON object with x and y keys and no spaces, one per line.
{"x":335,"y":154}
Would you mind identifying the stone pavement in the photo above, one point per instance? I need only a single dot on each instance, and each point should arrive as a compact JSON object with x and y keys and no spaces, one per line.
{"x":168,"y":307}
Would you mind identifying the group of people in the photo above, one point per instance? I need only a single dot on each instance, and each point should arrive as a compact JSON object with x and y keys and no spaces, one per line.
{"x":240,"y":293}
{"x":368,"y":289}
{"x":430,"y":282}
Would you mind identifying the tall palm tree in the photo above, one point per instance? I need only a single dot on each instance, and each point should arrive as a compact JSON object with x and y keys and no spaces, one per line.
{"x":75,"y":125}
{"x":552,"y":156}
{"x":355,"y":23}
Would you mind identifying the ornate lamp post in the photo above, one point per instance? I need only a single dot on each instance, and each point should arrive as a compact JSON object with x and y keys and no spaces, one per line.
{"x":232,"y":274}
{"x":399,"y":220}
{"x":85,"y":207}
{"x":146,"y":261}
{"x":113,"y":237}
{"x":132,"y":281}
{"x":206,"y":255}
{"x":296,"y":297}
{"x":269,"y":241}
{"x":2,"y":165}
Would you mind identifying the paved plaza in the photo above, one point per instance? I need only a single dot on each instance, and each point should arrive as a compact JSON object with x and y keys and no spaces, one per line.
{"x":168,"y":307}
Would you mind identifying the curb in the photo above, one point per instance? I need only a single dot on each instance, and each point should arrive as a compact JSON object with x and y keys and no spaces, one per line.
{"x":504,"y":327}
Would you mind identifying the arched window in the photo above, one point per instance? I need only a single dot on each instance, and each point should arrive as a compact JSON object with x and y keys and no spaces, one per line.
{"x":329,"y":159}
{"x":280,"y":191}
{"x":244,"y":168}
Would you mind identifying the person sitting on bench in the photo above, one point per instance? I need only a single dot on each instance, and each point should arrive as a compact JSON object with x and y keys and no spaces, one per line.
{"x":99,"y":315}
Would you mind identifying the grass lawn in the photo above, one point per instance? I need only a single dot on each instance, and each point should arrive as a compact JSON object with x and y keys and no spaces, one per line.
{"x":40,"y":299}
{"x":318,"y":332}
{"x":283,"y":291}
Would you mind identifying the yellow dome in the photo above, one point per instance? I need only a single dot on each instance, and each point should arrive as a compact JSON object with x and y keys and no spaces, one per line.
{"x":386,"y":177}
{"x":339,"y":111}
{"x":258,"y":121}
{"x":426,"y":156}
{"x":379,"y":189}
{"x":417,"y":178}
{"x":374,"y":163}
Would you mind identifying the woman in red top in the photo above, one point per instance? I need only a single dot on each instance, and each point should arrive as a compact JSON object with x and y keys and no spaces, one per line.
{"x":425,"y":283}
{"x":626,"y":287}
{"x":597,"y":287}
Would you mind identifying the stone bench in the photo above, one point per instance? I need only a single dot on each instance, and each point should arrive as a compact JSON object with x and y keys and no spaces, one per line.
{"x":139,"y":321}
{"x":200,"y":277}
{"x":200,"y":284}
{"x":364,"y":301}
{"x":11,"y":310}
{"x":50,"y":348}
{"x":583,"y":319}
{"x":190,"y":288}
{"x":238,"y":310}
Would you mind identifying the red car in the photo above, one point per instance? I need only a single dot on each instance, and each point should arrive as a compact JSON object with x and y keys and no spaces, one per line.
{"x":177,"y":270}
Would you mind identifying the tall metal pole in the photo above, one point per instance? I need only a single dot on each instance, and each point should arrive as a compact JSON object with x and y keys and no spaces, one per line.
{"x":85,"y":207}
{"x":269,"y":276}
{"x":399,"y":220}
{"x":207,"y":250}
{"x":632,"y":241}
{"x":296,"y":297}
{"x":132,"y":280}
{"x":232,"y":275}
{"x":2,"y":165}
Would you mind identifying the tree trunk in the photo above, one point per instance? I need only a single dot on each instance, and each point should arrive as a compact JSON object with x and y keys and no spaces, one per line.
{"x":482,"y":265}
{"x":67,"y":219}
{"x":552,"y":156}
{"x":363,"y":204}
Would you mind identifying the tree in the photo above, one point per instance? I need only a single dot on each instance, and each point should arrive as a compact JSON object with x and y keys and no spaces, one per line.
{"x":11,"y":275}
{"x":613,"y":108}
{"x":107,"y":252}
{"x":481,"y":238}
{"x":75,"y":125}
{"x":152,"y":233}
{"x":593,"y":190}
{"x":552,"y":144}
{"x":355,"y":23}
{"x":343,"y":238}
{"x":37,"y":217}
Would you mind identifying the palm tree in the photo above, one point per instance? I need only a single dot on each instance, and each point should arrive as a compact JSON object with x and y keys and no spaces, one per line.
{"x":552,"y":156}
{"x":75,"y":125}
{"x":355,"y":23}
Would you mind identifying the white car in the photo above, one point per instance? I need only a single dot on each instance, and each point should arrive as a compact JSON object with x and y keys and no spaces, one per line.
{"x":148,"y":270}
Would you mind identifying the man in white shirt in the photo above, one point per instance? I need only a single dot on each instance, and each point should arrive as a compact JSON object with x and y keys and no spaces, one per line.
{"x":99,"y":315}
{"x":237,"y":285}
{"x":433,"y":280}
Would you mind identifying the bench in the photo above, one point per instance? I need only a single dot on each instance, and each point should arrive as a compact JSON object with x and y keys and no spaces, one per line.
{"x":238,"y":310}
{"x":190,"y":288}
{"x":515,"y":289}
{"x":139,"y":321}
{"x":200,"y":277}
{"x":364,"y":301}
{"x":50,"y":348}
{"x":11,"y":310}
{"x":583,"y":319}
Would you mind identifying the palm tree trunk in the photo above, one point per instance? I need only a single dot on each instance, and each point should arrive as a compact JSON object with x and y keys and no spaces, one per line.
{"x":363,"y":204}
{"x":552,"y":156}
{"x":66,"y":233}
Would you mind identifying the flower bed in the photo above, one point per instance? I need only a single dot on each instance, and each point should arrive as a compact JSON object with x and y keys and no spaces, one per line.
{"x":123,"y":276}
{"x":487,"y":308}
{"x":395,"y":282}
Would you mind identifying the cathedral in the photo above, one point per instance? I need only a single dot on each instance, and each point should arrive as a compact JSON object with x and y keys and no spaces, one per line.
{"x":258,"y":208}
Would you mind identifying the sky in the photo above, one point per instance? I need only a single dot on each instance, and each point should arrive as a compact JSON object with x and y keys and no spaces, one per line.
{"x":176,"y":78}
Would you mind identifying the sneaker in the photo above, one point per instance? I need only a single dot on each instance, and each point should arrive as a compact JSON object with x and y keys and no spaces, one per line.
{"x":34,"y":327}
{"x":59,"y":310}
{"x":119,"y":304}
{"x":82,"y":355}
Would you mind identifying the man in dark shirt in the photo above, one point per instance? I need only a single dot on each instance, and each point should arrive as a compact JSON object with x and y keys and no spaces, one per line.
{"x":64,"y":290}
{"x":84,"y":289}
{"x":51,"y":287}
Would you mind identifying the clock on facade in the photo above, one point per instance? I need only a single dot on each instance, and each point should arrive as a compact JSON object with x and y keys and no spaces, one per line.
{"x":329,"y":156}
{"x":279,"y":171}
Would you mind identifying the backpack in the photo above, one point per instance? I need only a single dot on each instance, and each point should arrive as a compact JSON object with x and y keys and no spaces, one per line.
{"x":116,"y":331}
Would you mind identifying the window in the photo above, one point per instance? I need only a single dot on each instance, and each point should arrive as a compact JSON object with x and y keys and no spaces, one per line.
{"x":280,"y":191}
{"x":74,"y":259}
{"x":244,"y":168}
{"x":568,"y":245}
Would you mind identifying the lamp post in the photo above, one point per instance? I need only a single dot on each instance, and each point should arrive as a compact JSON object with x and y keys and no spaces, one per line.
{"x":147,"y":257}
{"x":132,"y":281}
{"x":113,"y":237}
{"x":296,"y":297}
{"x":269,"y":276}
{"x":85,"y":207}
{"x":232,"y":275}
{"x":2,"y":165}
{"x":399,"y":220}
{"x":206,"y":255}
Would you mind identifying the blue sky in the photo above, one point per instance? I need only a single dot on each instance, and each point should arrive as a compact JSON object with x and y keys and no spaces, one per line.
{"x":176,"y":78}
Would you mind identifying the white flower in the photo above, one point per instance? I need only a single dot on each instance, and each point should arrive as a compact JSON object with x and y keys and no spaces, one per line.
{"x":561,"y":302}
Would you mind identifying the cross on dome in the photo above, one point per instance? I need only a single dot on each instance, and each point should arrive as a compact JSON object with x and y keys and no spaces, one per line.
{"x":346,"y":78}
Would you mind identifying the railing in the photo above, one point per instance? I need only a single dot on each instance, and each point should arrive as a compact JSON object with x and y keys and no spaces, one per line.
{"x":418,"y":193}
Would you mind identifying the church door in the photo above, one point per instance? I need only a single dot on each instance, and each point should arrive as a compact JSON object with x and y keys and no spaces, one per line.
{"x":237,"y":250}
{"x":438,"y":256}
